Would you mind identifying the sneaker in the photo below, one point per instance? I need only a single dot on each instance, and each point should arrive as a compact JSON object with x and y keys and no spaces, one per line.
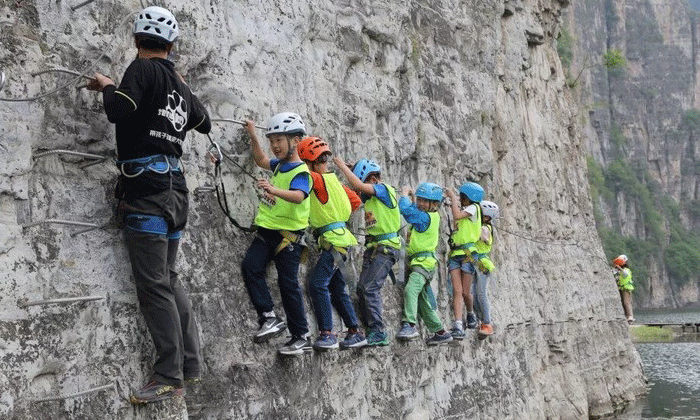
{"x":272,"y":327}
{"x":457,"y":333}
{"x":155,"y":391}
{"x":295,"y":346}
{"x":438,"y":338}
{"x":471,"y":320}
{"x":408,"y":332}
{"x":353,"y":341}
{"x":377,"y":338}
{"x":485,"y":330}
{"x":326,"y":341}
{"x":630,"y":319}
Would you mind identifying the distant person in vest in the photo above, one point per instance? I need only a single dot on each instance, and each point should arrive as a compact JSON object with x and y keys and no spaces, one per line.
{"x":623,"y":275}
{"x":152,"y":110}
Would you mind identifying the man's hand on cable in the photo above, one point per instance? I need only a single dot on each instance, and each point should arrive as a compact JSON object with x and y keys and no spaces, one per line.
{"x":99,"y":82}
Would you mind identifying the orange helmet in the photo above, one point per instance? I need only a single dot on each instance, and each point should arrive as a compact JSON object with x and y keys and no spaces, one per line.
{"x":620,"y":260}
{"x":311,"y":148}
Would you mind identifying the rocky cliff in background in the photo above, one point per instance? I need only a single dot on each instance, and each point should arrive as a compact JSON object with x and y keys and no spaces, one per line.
{"x":642,"y":123}
{"x":434,"y":90}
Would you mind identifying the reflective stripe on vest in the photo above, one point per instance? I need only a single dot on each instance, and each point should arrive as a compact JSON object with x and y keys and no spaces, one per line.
{"x":282,"y":214}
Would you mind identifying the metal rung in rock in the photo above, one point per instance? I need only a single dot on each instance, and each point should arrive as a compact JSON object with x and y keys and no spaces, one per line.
{"x":26,"y":302}
{"x":78,"y":394}
{"x":62,"y":222}
{"x":78,"y":6}
{"x":97,"y":158}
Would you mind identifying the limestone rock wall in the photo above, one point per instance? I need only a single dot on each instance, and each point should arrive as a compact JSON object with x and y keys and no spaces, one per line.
{"x":647,"y":105}
{"x":439,"y":90}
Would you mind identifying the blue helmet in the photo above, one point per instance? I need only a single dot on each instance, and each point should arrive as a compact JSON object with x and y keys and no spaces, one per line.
{"x":473,"y":191}
{"x":364,"y":167}
{"x":429,"y":191}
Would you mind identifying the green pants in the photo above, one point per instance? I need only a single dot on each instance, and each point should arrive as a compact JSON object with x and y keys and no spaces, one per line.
{"x":416,"y":302}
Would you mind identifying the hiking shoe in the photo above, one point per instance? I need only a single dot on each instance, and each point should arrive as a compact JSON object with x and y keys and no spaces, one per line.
{"x":353,"y":340}
{"x":155,"y":391}
{"x":438,"y":338}
{"x":377,"y":338}
{"x":295,"y":346}
{"x":408,"y":332}
{"x":485,"y":330}
{"x":272,"y":327}
{"x":326,"y":341}
{"x":471,"y":320}
{"x":457,"y":333}
{"x":630,"y":319}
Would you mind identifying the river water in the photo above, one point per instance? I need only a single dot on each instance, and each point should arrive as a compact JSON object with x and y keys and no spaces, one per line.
{"x":673,"y":372}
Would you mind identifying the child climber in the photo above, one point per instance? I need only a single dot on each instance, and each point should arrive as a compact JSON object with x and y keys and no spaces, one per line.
{"x":382,"y":243}
{"x":623,"y":275}
{"x":463,"y":240}
{"x":489,"y":212}
{"x":423,"y":240}
{"x":283,"y":214}
{"x":331,"y":205}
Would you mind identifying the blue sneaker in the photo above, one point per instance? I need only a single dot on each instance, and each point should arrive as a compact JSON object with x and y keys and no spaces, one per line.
{"x":457,"y":333}
{"x":377,"y":338}
{"x":408,"y":332}
{"x":353,"y":341}
{"x":471,"y":320}
{"x":326,"y":341}
{"x":438,"y":338}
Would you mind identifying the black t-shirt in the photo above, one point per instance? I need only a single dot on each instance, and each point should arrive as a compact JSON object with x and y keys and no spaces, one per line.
{"x":152,"y":110}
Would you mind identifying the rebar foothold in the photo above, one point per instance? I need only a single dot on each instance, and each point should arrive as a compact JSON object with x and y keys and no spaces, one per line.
{"x":2,"y":79}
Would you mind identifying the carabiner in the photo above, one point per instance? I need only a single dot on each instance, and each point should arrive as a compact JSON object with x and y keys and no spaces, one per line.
{"x":219,"y":156}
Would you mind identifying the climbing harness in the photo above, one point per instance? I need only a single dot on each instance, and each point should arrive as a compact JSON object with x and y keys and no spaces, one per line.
{"x":147,"y":223}
{"x":327,"y":228}
{"x":160,"y":164}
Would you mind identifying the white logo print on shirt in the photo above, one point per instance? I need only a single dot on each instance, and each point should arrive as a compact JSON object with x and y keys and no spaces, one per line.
{"x":175,"y":111}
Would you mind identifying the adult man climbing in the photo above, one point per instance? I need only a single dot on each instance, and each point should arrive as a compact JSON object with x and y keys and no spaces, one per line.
{"x":152,"y":110}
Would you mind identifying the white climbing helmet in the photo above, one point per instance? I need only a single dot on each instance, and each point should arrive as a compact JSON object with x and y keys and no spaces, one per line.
{"x":285,"y":123}
{"x":157,"y":22}
{"x":489,"y":208}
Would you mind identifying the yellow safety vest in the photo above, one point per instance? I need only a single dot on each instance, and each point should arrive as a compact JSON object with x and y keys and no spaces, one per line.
{"x":467,"y":232}
{"x":383,"y":220}
{"x":336,"y":209}
{"x":424,"y":243}
{"x":483,"y":250}
{"x":279,"y":214}
{"x":624,"y":280}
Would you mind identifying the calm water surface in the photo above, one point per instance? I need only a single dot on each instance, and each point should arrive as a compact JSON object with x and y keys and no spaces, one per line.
{"x":673,"y":372}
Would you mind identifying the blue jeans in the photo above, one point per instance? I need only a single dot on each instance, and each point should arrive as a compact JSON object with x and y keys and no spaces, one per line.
{"x":253,"y":268}
{"x":481,"y":301}
{"x":326,"y":287}
{"x":375,"y":267}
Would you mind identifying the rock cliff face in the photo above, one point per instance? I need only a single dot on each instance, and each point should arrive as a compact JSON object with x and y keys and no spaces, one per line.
{"x":645,"y":118}
{"x":440,"y":91}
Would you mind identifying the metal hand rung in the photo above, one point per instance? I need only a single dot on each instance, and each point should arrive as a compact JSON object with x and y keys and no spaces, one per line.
{"x":235,"y":122}
{"x":77,"y":394}
{"x":25,"y":302}
{"x":61,"y":222}
{"x":97,"y":158}
{"x":78,"y":6}
{"x":2,"y":79}
{"x":204,"y":189}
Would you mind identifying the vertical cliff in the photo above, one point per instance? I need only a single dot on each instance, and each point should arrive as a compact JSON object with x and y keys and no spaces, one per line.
{"x":641,"y":125}
{"x":438,"y":90}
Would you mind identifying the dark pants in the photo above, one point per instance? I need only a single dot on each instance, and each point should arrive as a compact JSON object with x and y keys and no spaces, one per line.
{"x":375,"y":267}
{"x":327,"y":286}
{"x":254,"y":267}
{"x":162,"y":299}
